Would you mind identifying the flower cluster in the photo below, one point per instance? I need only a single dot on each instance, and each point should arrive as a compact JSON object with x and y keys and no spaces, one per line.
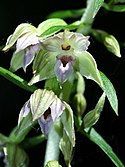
{"x":60,"y":55}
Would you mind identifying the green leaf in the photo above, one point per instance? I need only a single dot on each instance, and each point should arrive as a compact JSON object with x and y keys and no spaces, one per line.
{"x":43,"y":66}
{"x":97,"y":139}
{"x":19,"y":132}
{"x":108,"y":40}
{"x":114,"y":8}
{"x":109,"y":90}
{"x":40,"y":101}
{"x":16,"y":61}
{"x":97,"y":6}
{"x":93,"y":116}
{"x":50,"y":27}
{"x":87,"y":67}
{"x":53,"y":164}
{"x":16,"y":157}
{"x":64,"y":14}
{"x":16,"y":80}
{"x":52,"y":30}
{"x":19,"y":31}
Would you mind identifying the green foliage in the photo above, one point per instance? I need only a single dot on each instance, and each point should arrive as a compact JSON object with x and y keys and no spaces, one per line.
{"x":110,"y":92}
{"x":59,"y":56}
{"x":16,"y":156}
{"x":92,"y":116}
{"x":97,"y":139}
{"x":66,"y":14}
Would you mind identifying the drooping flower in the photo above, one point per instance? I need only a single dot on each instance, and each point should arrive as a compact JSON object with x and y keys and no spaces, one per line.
{"x":50,"y":115}
{"x":65,"y":53}
{"x":25,"y":39}
{"x":45,"y":107}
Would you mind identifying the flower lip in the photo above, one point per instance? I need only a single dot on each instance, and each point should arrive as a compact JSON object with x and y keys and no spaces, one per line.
{"x":47,"y":113}
{"x":65,"y":59}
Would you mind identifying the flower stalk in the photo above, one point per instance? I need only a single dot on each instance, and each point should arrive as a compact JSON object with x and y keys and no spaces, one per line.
{"x":87,"y":18}
{"x":52,"y":147}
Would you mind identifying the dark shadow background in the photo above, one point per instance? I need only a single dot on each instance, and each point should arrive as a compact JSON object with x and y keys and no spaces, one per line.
{"x":111,"y":127}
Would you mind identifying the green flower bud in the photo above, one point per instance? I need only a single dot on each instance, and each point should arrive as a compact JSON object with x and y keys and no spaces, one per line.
{"x":79,"y":104}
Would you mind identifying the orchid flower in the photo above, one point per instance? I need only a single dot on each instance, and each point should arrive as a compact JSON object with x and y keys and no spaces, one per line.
{"x":64,"y":54}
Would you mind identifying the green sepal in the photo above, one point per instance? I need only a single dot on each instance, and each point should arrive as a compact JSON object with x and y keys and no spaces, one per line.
{"x":68,"y":123}
{"x":66,"y":148}
{"x":67,"y":142}
{"x":43,"y":66}
{"x":21,"y":29}
{"x":87,"y":67}
{"x":16,"y":61}
{"x":19,"y":133}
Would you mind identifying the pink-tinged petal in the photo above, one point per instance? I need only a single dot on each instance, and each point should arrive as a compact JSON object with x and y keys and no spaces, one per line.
{"x":79,"y":42}
{"x":24,"y":111}
{"x":57,"y":108}
{"x":45,"y":122}
{"x":63,"y":71}
{"x":29,"y":55}
{"x":26,"y":40}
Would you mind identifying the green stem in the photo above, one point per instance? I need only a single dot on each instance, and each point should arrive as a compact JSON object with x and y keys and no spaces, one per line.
{"x":52,"y":147}
{"x":87,"y":18}
{"x":16,"y":80}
